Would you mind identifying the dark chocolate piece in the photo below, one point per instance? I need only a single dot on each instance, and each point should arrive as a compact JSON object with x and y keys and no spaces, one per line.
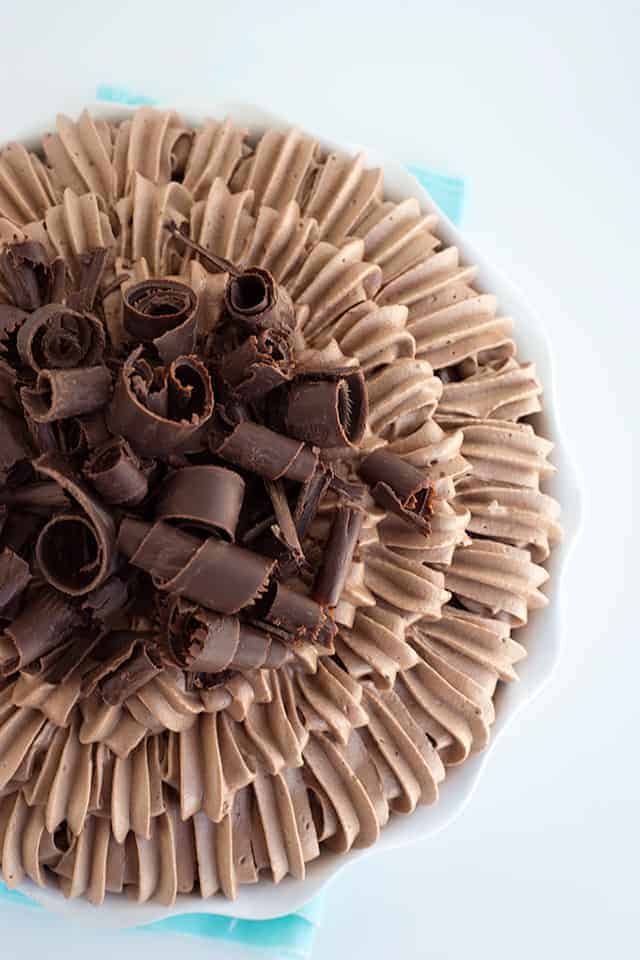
{"x":220,"y":576}
{"x":8,"y":391}
{"x":143,"y":665}
{"x":160,"y":410}
{"x":60,"y":394}
{"x":293,"y":613}
{"x":92,"y":267}
{"x":205,"y":497}
{"x":263,"y":451}
{"x":254,"y":299}
{"x":30,"y":277}
{"x":209,"y":260}
{"x":59,"y":338}
{"x":115,"y":472}
{"x":309,"y":499}
{"x":107,"y":599}
{"x":286,"y":529}
{"x":75,"y":551}
{"x":20,"y":530}
{"x":398,"y":486}
{"x":328,"y":411}
{"x":14,"y":445}
{"x":337,"y":555}
{"x":76,"y":652}
{"x":113,"y":649}
{"x":43,"y":624}
{"x":259,"y":365}
{"x":163,"y":312}
{"x":40,"y":497}
{"x":11,"y":320}
{"x":14,"y":576}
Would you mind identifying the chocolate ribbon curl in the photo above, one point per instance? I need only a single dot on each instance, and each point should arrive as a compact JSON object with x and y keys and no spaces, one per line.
{"x":205,"y":497}
{"x":294,"y":615}
{"x":271,"y":455}
{"x":116,"y":473}
{"x":337,"y":556}
{"x":253,"y":298}
{"x":220,"y":576}
{"x":42,"y":625}
{"x":142,"y":666}
{"x":114,"y":649}
{"x":8,"y":392}
{"x":39,"y":497}
{"x":399,"y":487}
{"x":14,"y":446}
{"x":11,"y":320}
{"x":61,"y":394}
{"x":163,"y":312}
{"x":31,"y":278}
{"x":205,"y":642}
{"x":160,"y":410}
{"x":75,"y":551}
{"x":14,"y":576}
{"x":258,"y":365}
{"x":328,"y":410}
{"x":59,"y":338}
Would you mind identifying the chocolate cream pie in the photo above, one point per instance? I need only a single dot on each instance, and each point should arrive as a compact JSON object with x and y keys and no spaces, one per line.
{"x":270,"y":507}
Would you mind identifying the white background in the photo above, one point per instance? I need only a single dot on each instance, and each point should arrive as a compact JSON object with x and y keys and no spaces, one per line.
{"x":537,"y":104}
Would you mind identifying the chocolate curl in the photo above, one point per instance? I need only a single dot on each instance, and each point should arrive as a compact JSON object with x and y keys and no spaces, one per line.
{"x":30,"y":277}
{"x":254,"y":299}
{"x":220,"y":576}
{"x":160,"y":411}
{"x":43,"y":624}
{"x":107,"y":599}
{"x":285,"y":531}
{"x":337,"y":555}
{"x":309,"y":499}
{"x":269,"y":454}
{"x":398,"y":486}
{"x":20,"y":531}
{"x":257,"y":366}
{"x":143,"y":665}
{"x":14,"y":576}
{"x":60,"y":394}
{"x":92,"y":267}
{"x":11,"y":320}
{"x":76,"y":652}
{"x":208,"y":259}
{"x":330,"y":411}
{"x":14,"y":446}
{"x":75,"y":551}
{"x":8,"y":392}
{"x":115,"y":472}
{"x":114,"y":649}
{"x":204,"y":497}
{"x":59,"y":338}
{"x":81,"y":435}
{"x":163,"y":312}
{"x":205,"y":642}
{"x":293,"y":615}
{"x":40,"y":497}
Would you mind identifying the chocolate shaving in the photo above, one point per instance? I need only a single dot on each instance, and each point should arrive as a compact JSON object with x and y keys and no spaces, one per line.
{"x":293,"y":614}
{"x":44,"y":623}
{"x":14,"y":445}
{"x":309,"y":499}
{"x":143,"y":665}
{"x":208,"y":259}
{"x":254,"y":299}
{"x":337,"y":556}
{"x":113,"y":650}
{"x":81,"y":435}
{"x":400,"y":487}
{"x":161,"y":410}
{"x":259,"y":365}
{"x":41,"y":497}
{"x":30,"y":277}
{"x":20,"y":530}
{"x":220,"y":576}
{"x":162,"y":312}
{"x":92,"y":267}
{"x":116,"y":473}
{"x":59,"y":338}
{"x":286,"y":530}
{"x":328,"y":411}
{"x":205,"y":497}
{"x":75,"y":551}
{"x":107,"y":599}
{"x":11,"y":320}
{"x":263,"y":451}
{"x":14,"y":576}
{"x":8,"y":392}
{"x":76,"y":652}
{"x":60,"y":394}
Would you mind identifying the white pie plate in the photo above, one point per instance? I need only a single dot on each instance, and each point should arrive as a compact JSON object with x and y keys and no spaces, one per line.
{"x":266,"y":900}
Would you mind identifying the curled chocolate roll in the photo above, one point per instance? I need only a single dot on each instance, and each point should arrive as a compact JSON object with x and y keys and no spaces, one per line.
{"x":253,"y":298}
{"x":60,"y":394}
{"x":160,"y":410}
{"x":220,"y":576}
{"x":328,"y":411}
{"x":337,"y":555}
{"x":269,"y":454}
{"x":163,"y":312}
{"x":75,"y":551}
{"x":258,"y":365}
{"x":109,"y":598}
{"x":14,"y":445}
{"x":8,"y":392}
{"x":398,"y":486}
{"x":31,"y":278}
{"x":204,"y":497}
{"x":205,"y":642}
{"x":43,"y":624}
{"x":81,"y":435}
{"x":11,"y":320}
{"x":39,"y":497}
{"x":115,"y":472}
{"x":59,"y":338}
{"x":142,"y":666}
{"x":114,"y":649}
{"x":14,"y":576}
{"x":92,"y":264}
{"x":292,"y":614}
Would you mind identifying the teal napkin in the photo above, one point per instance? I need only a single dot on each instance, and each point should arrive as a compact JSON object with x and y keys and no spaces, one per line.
{"x":289,"y":937}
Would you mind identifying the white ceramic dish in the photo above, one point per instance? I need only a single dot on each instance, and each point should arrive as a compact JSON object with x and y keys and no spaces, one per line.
{"x":546,"y":626}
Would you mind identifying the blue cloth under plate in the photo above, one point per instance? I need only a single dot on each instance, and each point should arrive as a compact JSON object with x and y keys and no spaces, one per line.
{"x":290,"y":936}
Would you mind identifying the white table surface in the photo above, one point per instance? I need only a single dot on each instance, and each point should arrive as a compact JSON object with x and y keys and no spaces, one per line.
{"x":537,"y":104}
